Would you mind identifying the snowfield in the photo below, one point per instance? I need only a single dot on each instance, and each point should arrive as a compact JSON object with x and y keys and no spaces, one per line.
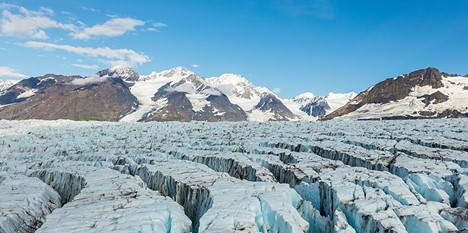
{"x":333,"y":176}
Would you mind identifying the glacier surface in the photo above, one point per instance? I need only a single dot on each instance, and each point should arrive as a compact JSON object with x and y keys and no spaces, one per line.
{"x":334,"y":176}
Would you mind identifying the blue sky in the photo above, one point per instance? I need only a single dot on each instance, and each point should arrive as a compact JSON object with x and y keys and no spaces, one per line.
{"x":294,"y":45}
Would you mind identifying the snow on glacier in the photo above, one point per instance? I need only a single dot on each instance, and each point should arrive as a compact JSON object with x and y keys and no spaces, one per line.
{"x":340,"y":176}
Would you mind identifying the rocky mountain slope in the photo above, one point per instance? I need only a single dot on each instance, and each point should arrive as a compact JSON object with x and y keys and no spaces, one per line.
{"x":52,"y":97}
{"x":178,"y":94}
{"x":426,"y":93}
{"x":121,"y":94}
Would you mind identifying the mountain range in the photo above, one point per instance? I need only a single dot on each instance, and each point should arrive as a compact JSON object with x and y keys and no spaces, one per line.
{"x":178,"y":94}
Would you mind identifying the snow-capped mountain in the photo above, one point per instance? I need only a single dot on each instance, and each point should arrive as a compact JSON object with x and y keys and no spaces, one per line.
{"x":173,"y":94}
{"x":5,"y":84}
{"x":426,"y":93}
{"x":304,"y":98}
{"x":312,"y":107}
{"x":179,"y":94}
{"x":259,"y":103}
{"x":126,"y":73}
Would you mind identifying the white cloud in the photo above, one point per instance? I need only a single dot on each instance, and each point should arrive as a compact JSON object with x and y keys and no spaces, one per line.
{"x":276,"y":90}
{"x":10,"y":73}
{"x":113,"y":56}
{"x":20,"y":22}
{"x":94,"y":78}
{"x":195,"y":66}
{"x":111,"y":28}
{"x":156,"y":27}
{"x":89,"y":9}
{"x":85,"y":66}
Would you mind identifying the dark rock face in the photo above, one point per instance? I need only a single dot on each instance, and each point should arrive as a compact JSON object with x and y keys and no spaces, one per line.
{"x":269,"y":103}
{"x":436,"y":97}
{"x":179,"y":107}
{"x":221,"y":109}
{"x":317,"y":108}
{"x":399,"y":88}
{"x":13,"y":94}
{"x":107,"y":100}
{"x":392,"y":89}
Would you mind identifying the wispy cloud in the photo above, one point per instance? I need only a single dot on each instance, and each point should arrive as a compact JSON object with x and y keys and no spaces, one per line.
{"x":156,"y":27}
{"x":10,"y":73}
{"x":112,"y":28}
{"x":112,"y":56}
{"x":321,"y":9}
{"x":94,"y":78}
{"x":276,"y":90}
{"x":90,"y":9}
{"x":194,"y":66}
{"x":20,"y":22}
{"x":85,"y":66}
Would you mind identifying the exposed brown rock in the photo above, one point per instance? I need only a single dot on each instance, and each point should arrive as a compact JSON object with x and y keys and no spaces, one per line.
{"x":435,"y":98}
{"x":108,"y":100}
{"x":269,"y":103}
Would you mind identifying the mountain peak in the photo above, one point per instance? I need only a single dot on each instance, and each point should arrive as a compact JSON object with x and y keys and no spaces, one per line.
{"x":124,"y":72}
{"x":306,"y":95}
{"x":176,"y":72}
{"x":229,"y":78}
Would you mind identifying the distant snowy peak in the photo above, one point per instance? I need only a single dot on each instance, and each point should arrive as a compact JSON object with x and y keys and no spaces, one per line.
{"x":337,"y":100}
{"x":228,"y":78}
{"x":5,"y":84}
{"x":125,"y":73}
{"x":270,"y":104}
{"x":304,"y":98}
{"x":319,"y":106}
{"x":234,"y":85}
{"x":193,"y":84}
{"x":181,"y":72}
{"x":425,"y":93}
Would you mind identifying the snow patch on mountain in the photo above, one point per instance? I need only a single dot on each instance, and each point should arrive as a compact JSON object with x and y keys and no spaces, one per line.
{"x":27,"y":93}
{"x":337,"y":100}
{"x":145,"y":88}
{"x":198,"y":101}
{"x":5,"y":84}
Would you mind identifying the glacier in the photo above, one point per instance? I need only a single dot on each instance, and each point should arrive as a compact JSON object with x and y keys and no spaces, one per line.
{"x":333,"y":176}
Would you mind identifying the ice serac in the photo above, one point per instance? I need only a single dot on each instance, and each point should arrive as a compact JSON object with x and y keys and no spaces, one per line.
{"x":331,"y":176}
{"x":235,"y":164}
{"x":425,"y":93}
{"x":25,"y":203}
{"x":217,"y":202}
{"x":109,"y":200}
